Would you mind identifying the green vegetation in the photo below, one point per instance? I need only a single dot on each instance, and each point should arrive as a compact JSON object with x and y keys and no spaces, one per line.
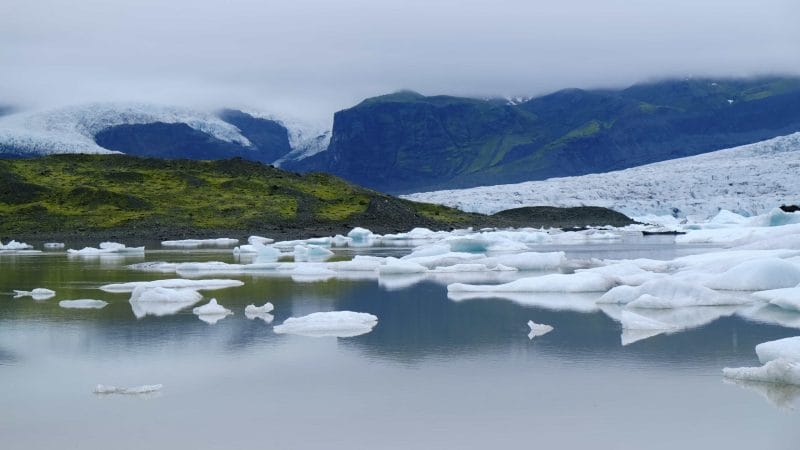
{"x":69,"y":193}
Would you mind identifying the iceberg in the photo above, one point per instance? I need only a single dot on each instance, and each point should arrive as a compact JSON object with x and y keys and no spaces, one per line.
{"x":82,"y":304}
{"x":577,"y":282}
{"x":538,"y":329}
{"x":313,"y":253}
{"x":360,"y":237}
{"x":138,"y":390}
{"x":334,"y":323}
{"x":197,"y":243}
{"x":786,"y":298}
{"x":14,"y":246}
{"x":394,"y":266}
{"x":780,"y":371}
{"x":528,"y":260}
{"x":107,"y":248}
{"x":757,"y":275}
{"x":211,"y":308}
{"x":263,"y":309}
{"x":787,"y":348}
{"x":36,"y":294}
{"x":668,"y":293}
{"x":145,"y":293}
{"x":177,"y":283}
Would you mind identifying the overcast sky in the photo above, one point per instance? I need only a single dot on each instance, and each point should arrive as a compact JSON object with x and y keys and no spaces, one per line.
{"x":312,"y":57}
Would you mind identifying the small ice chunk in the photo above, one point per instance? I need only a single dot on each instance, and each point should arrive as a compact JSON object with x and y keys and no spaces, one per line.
{"x":528,"y":260}
{"x":263,"y":309}
{"x":176,"y":283}
{"x":360,"y":236}
{"x":757,"y":275}
{"x":36,"y":294}
{"x":538,"y":329}
{"x":107,"y":248}
{"x":311,"y":253}
{"x":776,"y":371}
{"x":259,"y":240}
{"x":211,"y":308}
{"x":145,"y":389}
{"x":82,"y":304}
{"x":334,"y":323}
{"x":786,"y":298}
{"x":359,"y":263}
{"x":394,"y":266}
{"x":146,"y":293}
{"x":577,"y":282}
{"x":196,"y":243}
{"x":787,"y":348}
{"x":14,"y":245}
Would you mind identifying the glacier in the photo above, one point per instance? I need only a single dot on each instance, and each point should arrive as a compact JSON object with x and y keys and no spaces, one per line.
{"x":750,"y":179}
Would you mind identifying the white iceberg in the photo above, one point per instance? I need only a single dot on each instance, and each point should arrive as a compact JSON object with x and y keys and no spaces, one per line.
{"x":259,"y":240}
{"x":781,"y":371}
{"x":555,"y":301}
{"x":211,"y":308}
{"x":265,"y":308}
{"x":196,"y":243}
{"x":334,"y":323}
{"x":107,"y":248}
{"x":82,"y":304}
{"x":528,"y":260}
{"x":394,"y":266}
{"x":314,"y":253}
{"x":786,"y":298}
{"x":360,"y":237}
{"x":137,"y":390}
{"x":787,"y":348}
{"x":576,"y":282}
{"x":36,"y":294}
{"x":538,"y":329}
{"x":177,"y":283}
{"x":14,"y":246}
{"x":757,"y":275}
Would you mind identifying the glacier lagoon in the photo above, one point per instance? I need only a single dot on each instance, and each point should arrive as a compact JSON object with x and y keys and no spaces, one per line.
{"x":436,"y":371}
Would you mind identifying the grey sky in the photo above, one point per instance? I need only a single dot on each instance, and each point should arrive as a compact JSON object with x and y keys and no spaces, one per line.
{"x":310,"y":57}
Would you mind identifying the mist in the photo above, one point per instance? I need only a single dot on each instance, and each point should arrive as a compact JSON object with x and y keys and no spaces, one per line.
{"x":309,"y":58}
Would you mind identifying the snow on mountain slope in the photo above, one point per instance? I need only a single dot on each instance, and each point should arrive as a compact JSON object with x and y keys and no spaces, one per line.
{"x":71,"y":129}
{"x":305,"y":137}
{"x":750,"y":179}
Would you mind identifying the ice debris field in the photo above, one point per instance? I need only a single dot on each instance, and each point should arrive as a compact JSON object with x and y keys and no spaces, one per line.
{"x":743,"y":266}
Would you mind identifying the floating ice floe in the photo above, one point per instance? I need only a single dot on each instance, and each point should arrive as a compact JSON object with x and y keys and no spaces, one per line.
{"x":469,"y":268}
{"x":576,"y":282}
{"x":668,"y":293}
{"x":583,"y":302}
{"x":394,"y":266}
{"x":159,"y":301}
{"x":786,"y":298}
{"x":107,"y":248}
{"x":787,"y":348}
{"x":197,"y":243}
{"x":528,"y":260}
{"x":138,"y":390}
{"x":311,"y":272}
{"x":36,"y":294}
{"x":334,"y":323}
{"x":82,"y":304}
{"x":360,"y":237}
{"x":538,"y":329}
{"x":757,"y":275}
{"x":260,"y":312}
{"x":13,"y":245}
{"x":53,"y":245}
{"x":313,"y":253}
{"x":177,"y":283}
{"x":212,"y":312}
{"x":775,"y":371}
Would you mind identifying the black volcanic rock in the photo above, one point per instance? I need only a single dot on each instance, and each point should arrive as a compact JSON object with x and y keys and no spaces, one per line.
{"x":271,"y":137}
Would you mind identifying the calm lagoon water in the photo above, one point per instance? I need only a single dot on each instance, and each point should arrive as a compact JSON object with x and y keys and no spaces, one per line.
{"x":433,"y":374}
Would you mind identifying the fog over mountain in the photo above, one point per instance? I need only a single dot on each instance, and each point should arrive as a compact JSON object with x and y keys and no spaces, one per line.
{"x":309,"y":58}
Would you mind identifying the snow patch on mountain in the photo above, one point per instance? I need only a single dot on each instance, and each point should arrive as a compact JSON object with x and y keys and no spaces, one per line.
{"x":306,"y":137}
{"x":750,"y":179}
{"x":72,"y":129}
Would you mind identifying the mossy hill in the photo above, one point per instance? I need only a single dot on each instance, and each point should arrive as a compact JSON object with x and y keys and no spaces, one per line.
{"x":143,"y":197}
{"x":407,"y":142}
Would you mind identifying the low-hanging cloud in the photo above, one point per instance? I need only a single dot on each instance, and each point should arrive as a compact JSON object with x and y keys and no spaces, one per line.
{"x":311,"y":57}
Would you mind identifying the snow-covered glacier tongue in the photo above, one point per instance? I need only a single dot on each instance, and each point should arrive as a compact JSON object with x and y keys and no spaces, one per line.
{"x":751,"y":179}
